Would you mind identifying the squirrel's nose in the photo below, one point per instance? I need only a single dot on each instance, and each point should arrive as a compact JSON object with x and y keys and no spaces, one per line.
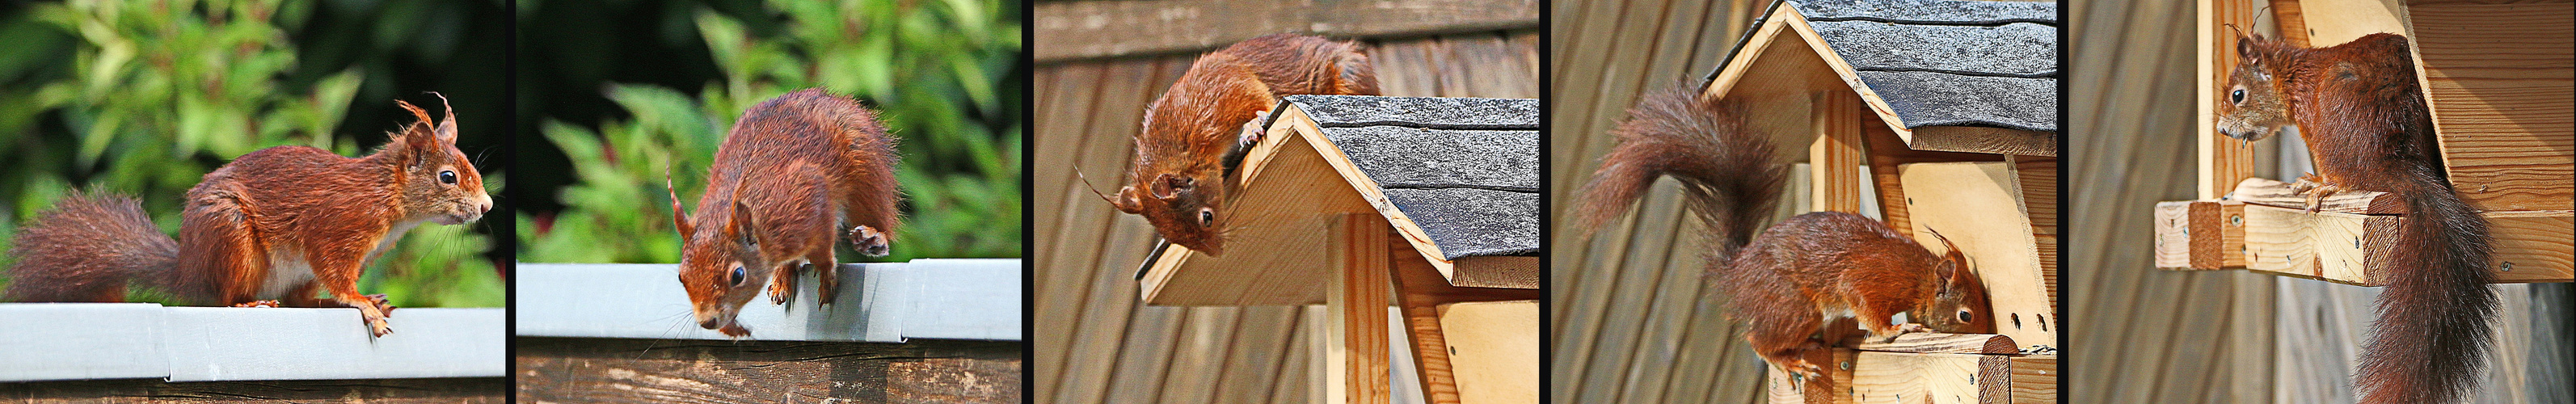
{"x":710,"y":323}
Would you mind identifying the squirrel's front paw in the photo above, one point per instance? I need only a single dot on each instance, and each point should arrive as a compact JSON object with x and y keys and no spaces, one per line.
{"x":867,"y":240}
{"x":1252,"y":132}
{"x":378,"y":326}
{"x":2315,"y":189}
{"x":735,"y":331}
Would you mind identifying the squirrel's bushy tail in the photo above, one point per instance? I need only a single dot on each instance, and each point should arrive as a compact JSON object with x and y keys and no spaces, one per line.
{"x":2432,"y":333}
{"x":1726,"y":171}
{"x":86,"y":249}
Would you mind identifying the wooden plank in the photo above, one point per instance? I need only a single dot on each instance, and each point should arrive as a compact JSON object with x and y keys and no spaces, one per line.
{"x":1494,"y":349}
{"x":2265,"y":191}
{"x":2034,"y":379}
{"x":1425,"y":329}
{"x":1357,"y":302}
{"x":2222,"y":160}
{"x":2354,"y":249}
{"x":2334,"y":22}
{"x":2175,"y":246}
{"x":2503,"y":94}
{"x":1064,"y":91}
{"x":2038,"y":185}
{"x":634,"y":370}
{"x":1092,"y":29}
{"x":1978,"y":206}
{"x":1893,"y":377}
{"x":445,"y":390}
{"x":1933,"y":342}
{"x":1264,"y":343}
{"x":1093,"y":231}
{"x":1838,"y":152}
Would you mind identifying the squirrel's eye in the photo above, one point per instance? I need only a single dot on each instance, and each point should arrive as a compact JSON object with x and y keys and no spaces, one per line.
{"x":1966,"y":317}
{"x":2237,"y":96}
{"x":448,"y":177}
{"x":737,"y":276}
{"x":1207,"y":217}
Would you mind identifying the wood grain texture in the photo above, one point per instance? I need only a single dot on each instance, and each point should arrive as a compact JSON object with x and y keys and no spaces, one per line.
{"x":1979,"y":207}
{"x":1067,"y":30}
{"x":1933,"y":342}
{"x":2133,"y":84}
{"x":457,"y":390}
{"x":2503,"y":93}
{"x":1495,"y":354}
{"x":1838,"y":152}
{"x":1094,"y":340}
{"x":2034,"y":379}
{"x":1357,"y":360}
{"x":622,"y":370}
{"x":2346,"y":247}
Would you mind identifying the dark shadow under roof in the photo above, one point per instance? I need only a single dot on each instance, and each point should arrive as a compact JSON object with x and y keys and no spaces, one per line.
{"x":1945,"y":62}
{"x":1464,"y":169}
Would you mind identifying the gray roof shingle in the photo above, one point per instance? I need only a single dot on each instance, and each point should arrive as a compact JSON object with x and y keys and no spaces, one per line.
{"x":1946,"y":62}
{"x":1464,"y":169}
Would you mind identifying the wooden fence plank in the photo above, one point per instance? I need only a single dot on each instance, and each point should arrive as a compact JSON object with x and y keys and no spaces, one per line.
{"x":923,"y":371}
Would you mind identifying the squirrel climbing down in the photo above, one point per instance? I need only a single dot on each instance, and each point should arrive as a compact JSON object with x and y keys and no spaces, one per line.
{"x":1195,"y":134}
{"x":2367,"y":127}
{"x":795,"y":171}
{"x":1791,"y":280}
{"x":266,"y":229}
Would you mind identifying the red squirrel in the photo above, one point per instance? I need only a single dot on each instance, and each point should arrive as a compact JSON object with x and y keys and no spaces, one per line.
{"x":1793,"y":279}
{"x":793,"y":171}
{"x":2363,"y":115}
{"x":266,"y":229}
{"x":1198,"y":131}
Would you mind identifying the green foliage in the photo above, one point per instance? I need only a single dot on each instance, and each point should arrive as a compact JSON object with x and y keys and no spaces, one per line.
{"x":931,"y":68}
{"x":154,"y":94}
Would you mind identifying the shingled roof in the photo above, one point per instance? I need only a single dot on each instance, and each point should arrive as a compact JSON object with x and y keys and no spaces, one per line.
{"x":1464,"y":169}
{"x":1944,"y":62}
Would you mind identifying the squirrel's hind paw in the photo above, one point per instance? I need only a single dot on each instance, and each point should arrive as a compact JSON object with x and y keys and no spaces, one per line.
{"x":867,"y":240}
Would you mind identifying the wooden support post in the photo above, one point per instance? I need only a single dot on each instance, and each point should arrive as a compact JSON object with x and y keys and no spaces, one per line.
{"x":1357,"y":305}
{"x":2222,"y":160}
{"x":1430,"y":340}
{"x":1838,"y":152}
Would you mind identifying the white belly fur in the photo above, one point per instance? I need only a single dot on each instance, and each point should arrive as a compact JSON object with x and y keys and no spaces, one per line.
{"x":287,"y":268}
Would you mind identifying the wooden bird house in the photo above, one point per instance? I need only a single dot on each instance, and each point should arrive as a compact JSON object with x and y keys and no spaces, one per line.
{"x":1942,"y":116}
{"x":1360,"y":202}
{"x":2497,"y":78}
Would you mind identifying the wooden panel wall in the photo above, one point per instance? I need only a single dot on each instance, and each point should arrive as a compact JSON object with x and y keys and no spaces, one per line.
{"x":1627,"y":324}
{"x":1095,"y":343}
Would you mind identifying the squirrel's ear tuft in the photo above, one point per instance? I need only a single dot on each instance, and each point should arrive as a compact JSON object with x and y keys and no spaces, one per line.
{"x":679,"y":217}
{"x":446,"y":130}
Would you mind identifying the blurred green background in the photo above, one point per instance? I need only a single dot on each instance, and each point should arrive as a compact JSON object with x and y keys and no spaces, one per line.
{"x":144,"y":97}
{"x":611,"y":93}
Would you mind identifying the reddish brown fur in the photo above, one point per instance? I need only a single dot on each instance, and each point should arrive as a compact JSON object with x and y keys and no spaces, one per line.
{"x":1178,"y":176}
{"x":792,"y":171}
{"x":284,"y":204}
{"x":2360,"y":109}
{"x":1794,"y":278}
